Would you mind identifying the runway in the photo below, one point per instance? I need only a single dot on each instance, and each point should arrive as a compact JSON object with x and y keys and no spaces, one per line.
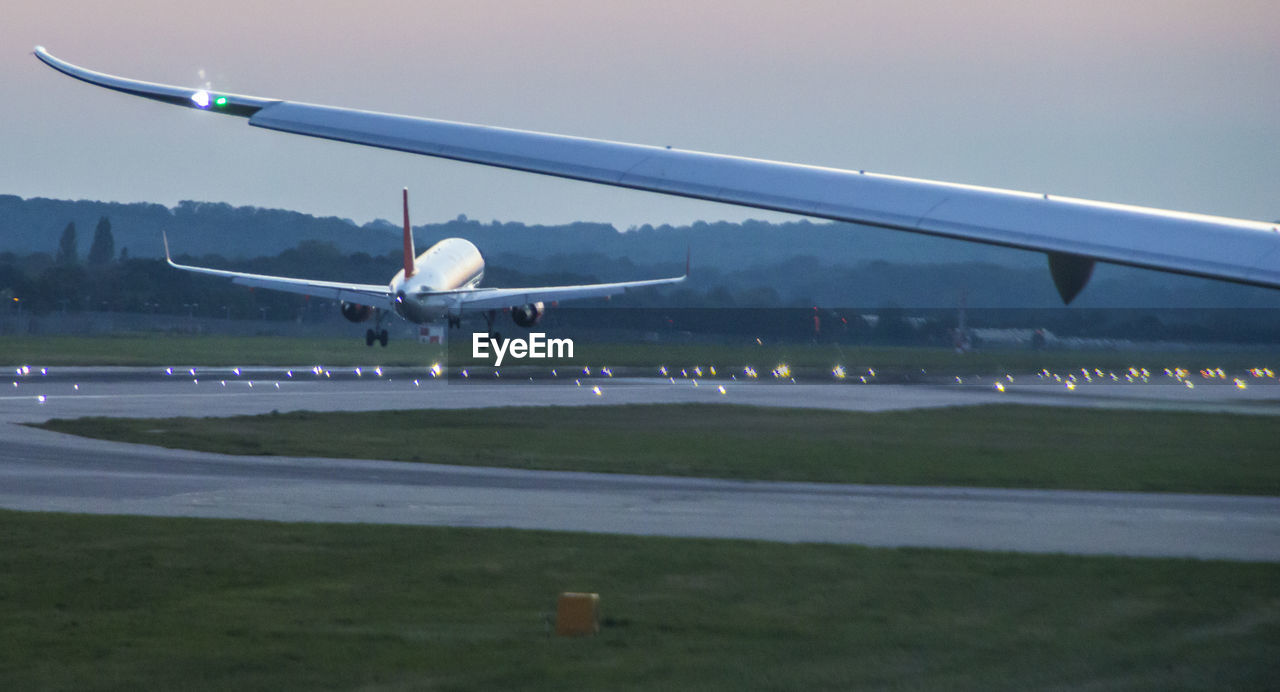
{"x":47,"y":471}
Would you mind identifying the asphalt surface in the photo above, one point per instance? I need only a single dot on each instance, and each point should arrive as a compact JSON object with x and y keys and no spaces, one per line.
{"x":47,"y":471}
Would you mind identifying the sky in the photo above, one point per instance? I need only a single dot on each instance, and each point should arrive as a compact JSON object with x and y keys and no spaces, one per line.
{"x":1163,"y":103}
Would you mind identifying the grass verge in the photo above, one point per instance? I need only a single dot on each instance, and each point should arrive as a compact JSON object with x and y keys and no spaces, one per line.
{"x":140,"y":603}
{"x":995,"y":446}
{"x":173,"y":349}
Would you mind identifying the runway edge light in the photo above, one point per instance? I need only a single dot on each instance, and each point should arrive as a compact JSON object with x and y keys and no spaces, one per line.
{"x":577,"y":614}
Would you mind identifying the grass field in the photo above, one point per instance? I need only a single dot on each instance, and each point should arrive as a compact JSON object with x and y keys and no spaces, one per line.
{"x":996,"y":446}
{"x":168,"y":349}
{"x":137,"y":603}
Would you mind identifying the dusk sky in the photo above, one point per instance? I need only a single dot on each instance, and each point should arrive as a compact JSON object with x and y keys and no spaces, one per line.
{"x":1161,"y":103}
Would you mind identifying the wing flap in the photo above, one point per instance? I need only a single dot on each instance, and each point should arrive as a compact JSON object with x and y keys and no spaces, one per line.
{"x":363,"y":294}
{"x":494,"y":298}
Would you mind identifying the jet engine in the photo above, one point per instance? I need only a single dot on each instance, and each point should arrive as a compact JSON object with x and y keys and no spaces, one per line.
{"x":356,"y":312}
{"x":527,"y":315}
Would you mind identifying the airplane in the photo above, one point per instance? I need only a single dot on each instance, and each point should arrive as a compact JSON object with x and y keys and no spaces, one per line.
{"x":442,"y":283}
{"x":1073,"y":233}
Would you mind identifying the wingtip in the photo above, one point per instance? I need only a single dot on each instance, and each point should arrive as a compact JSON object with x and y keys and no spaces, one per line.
{"x":165,"y":237}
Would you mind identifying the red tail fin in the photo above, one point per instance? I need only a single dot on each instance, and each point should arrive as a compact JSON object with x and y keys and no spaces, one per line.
{"x":408,"y":239}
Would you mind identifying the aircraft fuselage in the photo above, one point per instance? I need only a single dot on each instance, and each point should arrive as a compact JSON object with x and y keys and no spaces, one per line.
{"x":452,"y":263}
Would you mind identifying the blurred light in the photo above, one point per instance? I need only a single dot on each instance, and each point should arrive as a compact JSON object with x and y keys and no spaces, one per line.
{"x":40,"y":398}
{"x":721,"y":388}
{"x":596,"y":389}
{"x":1241,"y":384}
{"x":236,"y":371}
{"x":999,"y":386}
{"x":1071,"y":386}
{"x":358,"y":373}
{"x":378,"y":371}
{"x":838,"y":372}
{"x":220,"y":101}
{"x":201,"y":98}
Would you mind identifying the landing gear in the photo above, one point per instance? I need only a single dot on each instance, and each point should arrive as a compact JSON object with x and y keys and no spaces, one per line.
{"x":377,"y":334}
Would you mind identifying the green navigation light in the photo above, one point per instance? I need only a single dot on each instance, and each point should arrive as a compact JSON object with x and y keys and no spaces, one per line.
{"x":220,"y":101}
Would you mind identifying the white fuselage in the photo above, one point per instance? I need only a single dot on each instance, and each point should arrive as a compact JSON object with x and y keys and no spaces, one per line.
{"x":450,"y":264}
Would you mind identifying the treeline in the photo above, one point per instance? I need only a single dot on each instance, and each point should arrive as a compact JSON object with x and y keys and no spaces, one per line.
{"x":711,"y":302}
{"x":747,"y":264}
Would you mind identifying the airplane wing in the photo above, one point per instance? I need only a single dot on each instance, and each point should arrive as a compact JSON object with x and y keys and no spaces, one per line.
{"x":493,"y":298}
{"x":1074,"y":233}
{"x":360,"y":294}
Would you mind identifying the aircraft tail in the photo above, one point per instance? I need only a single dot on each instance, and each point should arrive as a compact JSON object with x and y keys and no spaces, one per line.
{"x":408,"y":239}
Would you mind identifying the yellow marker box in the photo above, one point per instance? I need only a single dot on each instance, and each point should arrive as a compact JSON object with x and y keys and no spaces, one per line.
{"x":578,"y":614}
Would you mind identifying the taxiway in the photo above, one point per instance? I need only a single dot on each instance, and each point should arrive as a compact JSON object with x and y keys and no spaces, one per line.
{"x":47,"y":471}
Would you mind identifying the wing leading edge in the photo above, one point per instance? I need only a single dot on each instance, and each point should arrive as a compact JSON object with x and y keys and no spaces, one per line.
{"x":1235,"y":250}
